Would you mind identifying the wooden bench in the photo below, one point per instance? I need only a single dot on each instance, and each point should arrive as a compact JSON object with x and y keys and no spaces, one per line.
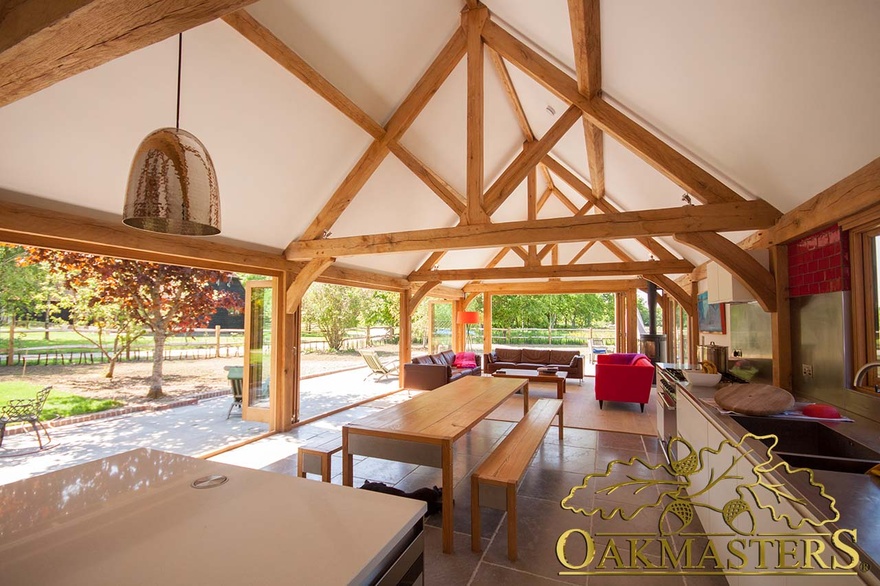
{"x":315,"y":459}
{"x":494,"y":482}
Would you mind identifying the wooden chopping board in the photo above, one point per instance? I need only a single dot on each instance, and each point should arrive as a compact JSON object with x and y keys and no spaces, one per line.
{"x":754,"y":399}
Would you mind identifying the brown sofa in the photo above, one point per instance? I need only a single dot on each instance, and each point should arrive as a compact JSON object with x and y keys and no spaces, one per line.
{"x":571,"y":361}
{"x":435,"y":370}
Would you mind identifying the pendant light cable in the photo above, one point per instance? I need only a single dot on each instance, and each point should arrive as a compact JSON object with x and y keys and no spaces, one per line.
{"x":179,"y":63}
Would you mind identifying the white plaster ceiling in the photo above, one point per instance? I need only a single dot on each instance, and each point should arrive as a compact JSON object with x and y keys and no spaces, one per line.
{"x":777,"y":98}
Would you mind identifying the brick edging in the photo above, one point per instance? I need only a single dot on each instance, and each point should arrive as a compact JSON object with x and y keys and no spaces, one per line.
{"x":119,"y":411}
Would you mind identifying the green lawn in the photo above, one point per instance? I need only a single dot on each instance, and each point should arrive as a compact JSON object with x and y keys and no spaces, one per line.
{"x":58,"y":404}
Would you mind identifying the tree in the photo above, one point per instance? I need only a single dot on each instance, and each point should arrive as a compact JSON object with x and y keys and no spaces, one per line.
{"x":380,"y":308}
{"x":334,"y":309}
{"x":20,"y":288}
{"x":104,"y":324}
{"x":164,"y":299}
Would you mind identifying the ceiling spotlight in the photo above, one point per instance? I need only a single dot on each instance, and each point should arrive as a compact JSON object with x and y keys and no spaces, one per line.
{"x":687,"y":199}
{"x":551,"y":111}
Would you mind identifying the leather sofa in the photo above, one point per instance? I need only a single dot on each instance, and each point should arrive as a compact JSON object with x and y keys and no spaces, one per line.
{"x":428,"y":372}
{"x":624,"y":377}
{"x":571,"y":361}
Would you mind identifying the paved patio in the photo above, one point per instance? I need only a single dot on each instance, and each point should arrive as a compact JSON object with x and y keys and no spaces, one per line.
{"x":189,"y":430}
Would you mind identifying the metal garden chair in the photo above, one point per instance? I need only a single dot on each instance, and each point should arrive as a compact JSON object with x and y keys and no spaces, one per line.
{"x":376,"y":366}
{"x":25,"y":411}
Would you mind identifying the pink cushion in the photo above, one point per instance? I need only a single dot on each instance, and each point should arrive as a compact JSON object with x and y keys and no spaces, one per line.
{"x":465,"y":360}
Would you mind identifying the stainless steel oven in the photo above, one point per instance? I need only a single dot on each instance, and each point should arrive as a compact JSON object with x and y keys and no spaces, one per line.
{"x":666,"y":399}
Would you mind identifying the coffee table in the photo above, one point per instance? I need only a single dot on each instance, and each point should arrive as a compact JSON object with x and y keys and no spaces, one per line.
{"x":538,"y":377}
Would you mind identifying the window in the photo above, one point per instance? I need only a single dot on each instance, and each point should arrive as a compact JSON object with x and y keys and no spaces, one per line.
{"x":865,"y":263}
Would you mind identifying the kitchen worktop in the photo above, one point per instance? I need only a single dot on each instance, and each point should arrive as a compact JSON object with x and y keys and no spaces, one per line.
{"x":134,"y":518}
{"x":857,"y":495}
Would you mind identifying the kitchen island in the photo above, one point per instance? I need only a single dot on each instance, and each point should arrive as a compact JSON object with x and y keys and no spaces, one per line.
{"x":857,"y":496}
{"x":137,"y":518}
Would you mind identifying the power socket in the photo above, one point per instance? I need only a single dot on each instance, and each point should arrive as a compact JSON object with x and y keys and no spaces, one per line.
{"x":808,"y":370}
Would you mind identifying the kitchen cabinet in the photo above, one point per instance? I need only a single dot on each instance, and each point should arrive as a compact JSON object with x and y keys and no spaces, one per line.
{"x":701,"y":433}
{"x":723,"y":287}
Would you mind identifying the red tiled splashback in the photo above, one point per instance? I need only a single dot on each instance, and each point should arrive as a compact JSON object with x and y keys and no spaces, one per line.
{"x":819,"y":263}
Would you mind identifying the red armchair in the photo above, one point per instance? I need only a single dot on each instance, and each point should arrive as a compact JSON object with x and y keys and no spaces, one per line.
{"x":624,"y":377}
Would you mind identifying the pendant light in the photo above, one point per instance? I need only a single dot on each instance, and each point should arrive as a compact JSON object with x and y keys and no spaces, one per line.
{"x":172,"y":186}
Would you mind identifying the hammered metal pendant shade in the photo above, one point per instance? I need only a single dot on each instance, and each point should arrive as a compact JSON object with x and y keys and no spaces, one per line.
{"x":172,"y":186}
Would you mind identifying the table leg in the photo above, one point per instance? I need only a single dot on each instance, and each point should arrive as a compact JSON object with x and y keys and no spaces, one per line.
{"x":347,"y":461}
{"x":448,"y":489}
{"x":560,"y":390}
{"x":525,"y":394}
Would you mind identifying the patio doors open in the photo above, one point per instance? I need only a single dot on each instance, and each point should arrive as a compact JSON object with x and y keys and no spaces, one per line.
{"x":259,"y":351}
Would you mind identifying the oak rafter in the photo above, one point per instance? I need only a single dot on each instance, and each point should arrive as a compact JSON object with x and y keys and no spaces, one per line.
{"x":402,"y":118}
{"x":665,"y":159}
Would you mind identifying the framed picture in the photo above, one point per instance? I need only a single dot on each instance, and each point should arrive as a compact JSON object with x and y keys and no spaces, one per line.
{"x":710,"y":316}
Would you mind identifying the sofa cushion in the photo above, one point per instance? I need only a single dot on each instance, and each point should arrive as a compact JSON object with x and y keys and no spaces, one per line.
{"x":448,"y":357}
{"x":506,"y":364}
{"x":423,"y":360}
{"x":513,"y":355}
{"x":536,"y":356}
{"x":531,"y":365}
{"x":562,"y":356}
{"x":643,"y":361}
{"x":465,"y":360}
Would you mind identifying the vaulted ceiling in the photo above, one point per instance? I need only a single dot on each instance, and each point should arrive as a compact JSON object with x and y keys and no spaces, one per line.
{"x":352,"y":129}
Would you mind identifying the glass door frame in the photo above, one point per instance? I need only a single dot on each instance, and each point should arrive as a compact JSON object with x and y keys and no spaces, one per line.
{"x":249,"y":412}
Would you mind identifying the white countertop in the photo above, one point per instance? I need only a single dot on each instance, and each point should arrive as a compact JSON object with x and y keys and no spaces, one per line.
{"x":134,"y":519}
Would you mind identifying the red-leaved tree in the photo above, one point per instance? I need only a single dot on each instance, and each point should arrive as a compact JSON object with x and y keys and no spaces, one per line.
{"x":165,"y":299}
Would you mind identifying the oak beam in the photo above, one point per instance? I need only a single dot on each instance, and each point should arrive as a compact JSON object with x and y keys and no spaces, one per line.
{"x":419,"y":294}
{"x":651,"y":149}
{"x":532,"y":210}
{"x":603,"y":204}
{"x":37,"y":226}
{"x":352,"y":277}
{"x":405,"y":115}
{"x":572,"y":207}
{"x":755,"y":278}
{"x":303,"y":279}
{"x":675,"y":292}
{"x":504,"y":75}
{"x":581,"y":252}
{"x":404,"y":343}
{"x":287,"y":58}
{"x":544,"y":287}
{"x":535,"y":272}
{"x":42,"y":43}
{"x":849,"y":196}
{"x":530,"y":156}
{"x":472,"y":21}
{"x":586,"y":39}
{"x":437,"y":184}
{"x":743,"y":215}
{"x":780,"y":322}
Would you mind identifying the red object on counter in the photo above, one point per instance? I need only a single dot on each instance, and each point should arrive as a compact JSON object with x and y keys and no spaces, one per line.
{"x":823,"y":411}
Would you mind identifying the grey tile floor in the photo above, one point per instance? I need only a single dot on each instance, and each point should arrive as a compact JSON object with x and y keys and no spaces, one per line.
{"x":556,"y":468}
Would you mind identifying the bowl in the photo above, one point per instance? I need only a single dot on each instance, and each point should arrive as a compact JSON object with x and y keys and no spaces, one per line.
{"x":548,"y":369}
{"x":702,"y":379}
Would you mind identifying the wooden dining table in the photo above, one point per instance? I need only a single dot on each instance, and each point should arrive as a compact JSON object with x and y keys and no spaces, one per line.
{"x":423,"y":429}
